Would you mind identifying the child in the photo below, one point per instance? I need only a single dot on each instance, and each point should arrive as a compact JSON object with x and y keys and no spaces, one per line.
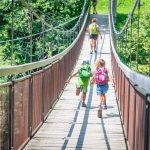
{"x":94,"y":30}
{"x":101,"y":76}
{"x":83,"y":80}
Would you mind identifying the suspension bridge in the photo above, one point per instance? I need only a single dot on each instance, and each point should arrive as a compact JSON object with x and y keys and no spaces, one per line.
{"x":41,"y":111}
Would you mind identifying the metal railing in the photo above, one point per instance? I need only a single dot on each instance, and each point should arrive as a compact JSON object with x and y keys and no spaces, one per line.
{"x":133,"y":95}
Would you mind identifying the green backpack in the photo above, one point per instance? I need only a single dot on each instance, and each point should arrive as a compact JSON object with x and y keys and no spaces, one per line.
{"x":94,"y":29}
{"x":85,"y":71}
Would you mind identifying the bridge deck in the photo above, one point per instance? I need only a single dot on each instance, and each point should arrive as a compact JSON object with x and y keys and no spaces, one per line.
{"x":70,"y":126}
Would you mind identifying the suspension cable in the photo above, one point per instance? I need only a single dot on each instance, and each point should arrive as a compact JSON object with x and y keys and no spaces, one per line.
{"x":43,"y":21}
{"x":54,"y":28}
{"x":34,"y":13}
{"x":127,"y":21}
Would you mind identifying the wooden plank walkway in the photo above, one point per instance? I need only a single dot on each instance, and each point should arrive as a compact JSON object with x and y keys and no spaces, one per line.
{"x":70,"y":126}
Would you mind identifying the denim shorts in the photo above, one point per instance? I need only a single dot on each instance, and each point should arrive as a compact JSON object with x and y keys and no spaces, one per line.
{"x":102,"y":88}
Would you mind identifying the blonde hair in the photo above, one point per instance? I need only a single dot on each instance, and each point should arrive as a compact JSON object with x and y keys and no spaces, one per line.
{"x":99,"y":63}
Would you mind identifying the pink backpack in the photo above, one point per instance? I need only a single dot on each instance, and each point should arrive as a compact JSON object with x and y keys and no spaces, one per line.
{"x":102,"y":76}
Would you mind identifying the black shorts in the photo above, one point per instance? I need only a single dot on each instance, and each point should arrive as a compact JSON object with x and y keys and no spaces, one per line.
{"x":93,"y":36}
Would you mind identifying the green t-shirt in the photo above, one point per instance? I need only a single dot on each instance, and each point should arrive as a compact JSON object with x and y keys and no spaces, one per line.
{"x":83,"y":81}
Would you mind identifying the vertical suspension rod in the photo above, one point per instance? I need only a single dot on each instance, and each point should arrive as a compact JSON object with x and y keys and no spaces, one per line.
{"x":12,"y":31}
{"x":138,"y":31}
{"x":31,"y":40}
{"x":131,"y":41}
{"x":43,"y":48}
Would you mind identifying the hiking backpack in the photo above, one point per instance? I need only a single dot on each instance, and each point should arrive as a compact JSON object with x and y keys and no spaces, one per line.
{"x":94,"y":29}
{"x":102,"y":76}
{"x":85,"y":71}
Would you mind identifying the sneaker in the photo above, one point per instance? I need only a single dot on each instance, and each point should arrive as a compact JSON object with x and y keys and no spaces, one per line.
{"x":99,"y":113}
{"x":104,"y":106}
{"x":83,"y":104}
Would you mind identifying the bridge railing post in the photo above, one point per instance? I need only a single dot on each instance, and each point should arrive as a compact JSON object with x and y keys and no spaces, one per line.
{"x":43,"y":97}
{"x":12,"y":118}
{"x":30,"y":107}
{"x":147,"y":123}
{"x":52,"y":86}
{"x":134,"y":117}
{"x":63,"y":73}
{"x":37,"y":100}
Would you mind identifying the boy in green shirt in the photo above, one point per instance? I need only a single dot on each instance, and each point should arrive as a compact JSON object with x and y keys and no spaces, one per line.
{"x":83,"y":80}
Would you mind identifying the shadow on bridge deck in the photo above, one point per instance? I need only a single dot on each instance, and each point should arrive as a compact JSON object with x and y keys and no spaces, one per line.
{"x":70,"y":126}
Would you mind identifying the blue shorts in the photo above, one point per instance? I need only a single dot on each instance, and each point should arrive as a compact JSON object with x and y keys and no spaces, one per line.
{"x":102,"y":88}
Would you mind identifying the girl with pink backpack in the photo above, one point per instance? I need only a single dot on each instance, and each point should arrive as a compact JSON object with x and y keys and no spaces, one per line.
{"x":101,"y":76}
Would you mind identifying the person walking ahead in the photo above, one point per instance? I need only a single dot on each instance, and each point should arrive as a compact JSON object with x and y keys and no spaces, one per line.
{"x":84,"y":74}
{"x":94,"y":30}
{"x":94,"y":3}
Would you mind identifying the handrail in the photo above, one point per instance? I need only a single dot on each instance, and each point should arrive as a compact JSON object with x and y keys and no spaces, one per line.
{"x":30,"y":66}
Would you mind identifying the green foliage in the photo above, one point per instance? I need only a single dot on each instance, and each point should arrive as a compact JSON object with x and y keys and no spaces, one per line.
{"x":103,"y":6}
{"x":40,"y":46}
{"x":136,"y":52}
